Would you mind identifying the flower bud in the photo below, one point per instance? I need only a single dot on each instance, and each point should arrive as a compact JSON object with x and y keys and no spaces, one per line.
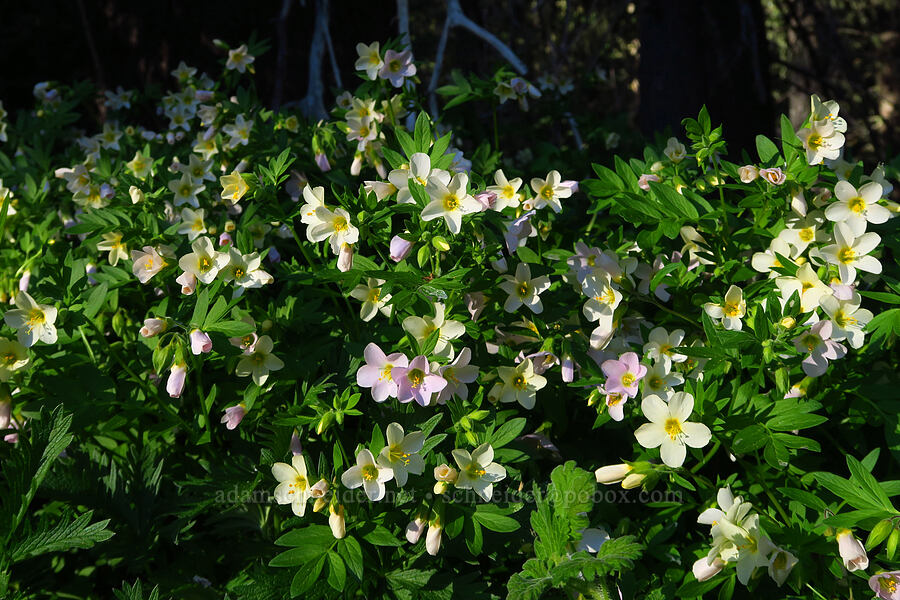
{"x":445,"y":473}
{"x":224,"y":239}
{"x":612,"y":473}
{"x":748,"y":173}
{"x":400,"y":248}
{"x":319,"y":504}
{"x":153,"y":327}
{"x":775,"y":176}
{"x":632,"y":481}
{"x":322,"y":162}
{"x":345,"y":258}
{"x":440,"y":487}
{"x":325,"y":422}
{"x":175,"y":383}
{"x":879,"y":533}
{"x":136,"y":194}
{"x":851,"y":551}
{"x":319,"y":489}
{"x":414,"y":530}
{"x":704,"y":570}
{"x":440,"y":243}
{"x":433,"y":537}
{"x":336,"y":521}
{"x":356,"y":165}
{"x":188,"y":283}
{"x":233,"y":416}
{"x":201,"y":344}
{"x":890,"y":549}
{"x":296,"y":447}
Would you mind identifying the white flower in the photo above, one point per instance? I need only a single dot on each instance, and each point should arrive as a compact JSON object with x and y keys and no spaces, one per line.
{"x":369,"y":294}
{"x":780,"y":564}
{"x":856,"y":207}
{"x":315,"y":198}
{"x":450,"y":201}
{"x":369,"y":59}
{"x":765,"y":261}
{"x":186,"y":190}
{"x":675,"y":150}
{"x":826,"y":111}
{"x":754,"y":552}
{"x":660,"y":344}
{"x":112,"y":242}
{"x":848,"y":318}
{"x":851,"y":550}
{"x":549,"y":191}
{"x":192,"y":223}
{"x":293,"y":484}
{"x":806,"y":284}
{"x":422,"y":327}
{"x":802,"y":231}
{"x":669,"y":428}
{"x":401,"y":453}
{"x":239,"y":59}
{"x":660,"y":380}
{"x":731,"y":311}
{"x":146,"y":263}
{"x":259,"y":362}
{"x":507,"y":191}
{"x":850,"y":252}
{"x":333,"y":226}
{"x":821,"y":140}
{"x":368,"y":474}
{"x":522,"y":289}
{"x":520,"y":384}
{"x":243,"y":269}
{"x":204,"y":262}
{"x":457,"y":374}
{"x":602,"y":297}
{"x":13,"y":356}
{"x":421,"y":172}
{"x":32,"y":320}
{"x":477,"y":471}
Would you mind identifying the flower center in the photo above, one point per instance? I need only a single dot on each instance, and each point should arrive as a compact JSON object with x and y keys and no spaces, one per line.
{"x":9,"y":358}
{"x":547,"y":192}
{"x":810,"y":341}
{"x":519,"y":382}
{"x":374,"y":295}
{"x":656,"y":382}
{"x":340,"y":224}
{"x":780,"y":561}
{"x":370,"y":472}
{"x":416,"y":377}
{"x":185,"y":190}
{"x":523,"y":290}
{"x":815,"y":141}
{"x":856,"y":204}
{"x":394,"y":66}
{"x":205,"y":264}
{"x":613,"y":399}
{"x":846,"y":255}
{"x":672,"y":428}
{"x":732,"y":309}
{"x":386,"y":373}
{"x":806,"y":235}
{"x":238,"y":272}
{"x":475,"y":470}
{"x":628,"y":379}
{"x":888,"y":584}
{"x":451,"y":202}
{"x":35,"y":317}
{"x":397,"y":455}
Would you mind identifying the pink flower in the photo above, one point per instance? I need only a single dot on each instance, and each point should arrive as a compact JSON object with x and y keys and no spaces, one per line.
{"x":417,"y":382}
{"x":24,"y":281}
{"x":774,"y":175}
{"x":623,"y":375}
{"x":414,"y":530}
{"x":704,"y":570}
{"x":568,"y":366}
{"x":377,"y":373}
{"x":296,"y":446}
{"x":571,"y":184}
{"x":175,"y":383}
{"x":224,"y":239}
{"x":233,"y":416}
{"x":518,"y":231}
{"x":615,"y":405}
{"x":645,"y":179}
{"x":322,"y":162}
{"x":345,"y":258}
{"x":246,"y":343}
{"x":200,"y":342}
{"x":821,"y":348}
{"x":886,"y":585}
{"x":400,"y":248}
{"x":486,"y":199}
{"x":153,"y":327}
{"x":188,"y":283}
{"x":397,"y":67}
{"x":147,"y":263}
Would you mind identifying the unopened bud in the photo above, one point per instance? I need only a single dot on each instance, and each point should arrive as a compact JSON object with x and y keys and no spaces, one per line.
{"x":612,"y":473}
{"x":440,"y":243}
{"x":336,"y":521}
{"x":632,"y":481}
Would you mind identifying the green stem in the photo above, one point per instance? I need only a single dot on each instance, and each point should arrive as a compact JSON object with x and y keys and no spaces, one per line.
{"x":709,"y":454}
{"x":87,"y":346}
{"x":768,"y":491}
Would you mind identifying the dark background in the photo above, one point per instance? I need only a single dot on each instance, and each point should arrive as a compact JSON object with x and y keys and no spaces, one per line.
{"x":636,"y":65}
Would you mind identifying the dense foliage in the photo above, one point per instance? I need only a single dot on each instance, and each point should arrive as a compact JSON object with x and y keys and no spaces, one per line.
{"x":254,"y":356}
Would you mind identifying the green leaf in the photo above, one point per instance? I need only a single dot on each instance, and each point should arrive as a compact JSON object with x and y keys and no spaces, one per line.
{"x":200,"y":308}
{"x":766,"y":148}
{"x":422,"y":132}
{"x":882,"y":297}
{"x":318,"y":536}
{"x":352,"y":554}
{"x":794,"y":421}
{"x":66,"y":535}
{"x":867,"y":483}
{"x":507,"y":432}
{"x":845,"y":490}
{"x":673,"y":202}
{"x":380,"y":536}
{"x":232,"y":328}
{"x":217,"y":311}
{"x":495,"y":522}
{"x":95,"y":300}
{"x":337,"y":572}
{"x":306,"y":577}
{"x":805,"y":498}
